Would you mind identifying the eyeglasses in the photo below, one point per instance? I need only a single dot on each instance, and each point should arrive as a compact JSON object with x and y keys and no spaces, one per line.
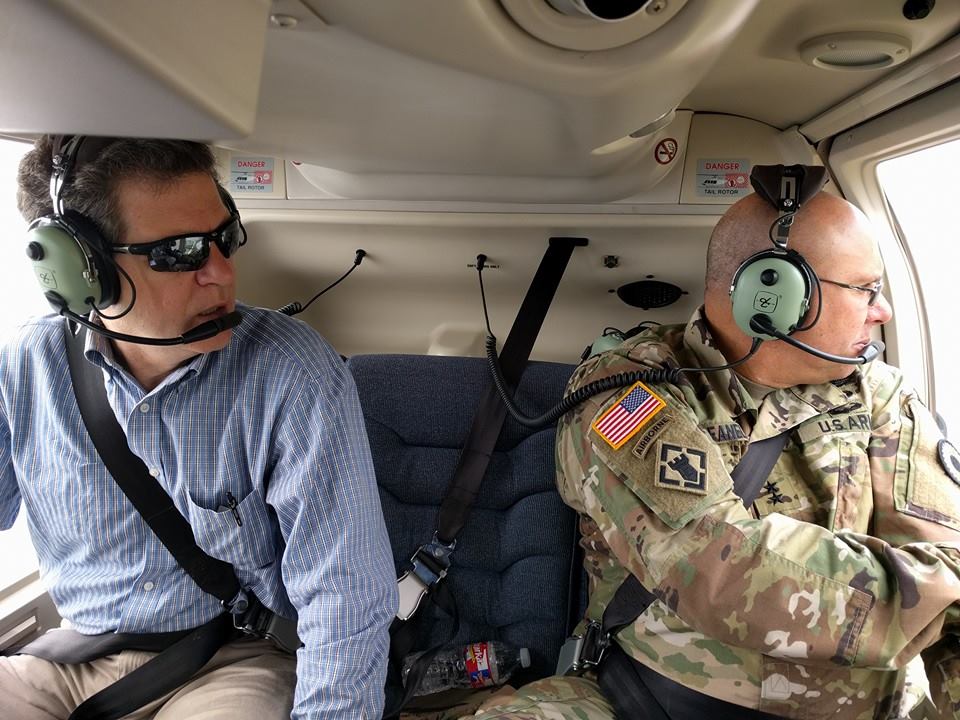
{"x":874,"y":290}
{"x":189,"y":252}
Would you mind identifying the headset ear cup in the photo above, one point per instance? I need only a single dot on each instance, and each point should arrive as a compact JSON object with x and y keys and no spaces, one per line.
{"x":61,"y":265}
{"x":773,"y":283}
{"x":70,"y":270}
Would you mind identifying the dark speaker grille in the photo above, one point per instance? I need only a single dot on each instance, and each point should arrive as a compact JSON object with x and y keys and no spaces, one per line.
{"x":647,"y":294}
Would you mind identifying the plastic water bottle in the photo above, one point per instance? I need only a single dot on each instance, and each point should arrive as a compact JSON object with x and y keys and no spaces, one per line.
{"x":477,"y":665}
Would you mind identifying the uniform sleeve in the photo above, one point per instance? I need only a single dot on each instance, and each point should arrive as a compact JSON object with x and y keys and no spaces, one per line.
{"x":665,"y":505}
{"x":337,"y":566}
{"x":915,"y":474}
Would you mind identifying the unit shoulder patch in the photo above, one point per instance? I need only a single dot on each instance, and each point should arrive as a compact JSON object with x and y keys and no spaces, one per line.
{"x":631,"y":412}
{"x":949,"y":459}
{"x":682,"y":469}
{"x":672,"y":467}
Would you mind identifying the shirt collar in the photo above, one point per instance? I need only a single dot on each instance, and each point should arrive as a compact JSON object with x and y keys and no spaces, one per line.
{"x":98,"y":350}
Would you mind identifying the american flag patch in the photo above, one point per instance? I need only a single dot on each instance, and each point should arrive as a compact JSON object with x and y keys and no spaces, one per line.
{"x":630,"y":413}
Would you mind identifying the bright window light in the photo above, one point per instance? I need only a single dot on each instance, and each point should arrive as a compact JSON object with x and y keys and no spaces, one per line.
{"x":20,"y":297}
{"x":922,"y":191}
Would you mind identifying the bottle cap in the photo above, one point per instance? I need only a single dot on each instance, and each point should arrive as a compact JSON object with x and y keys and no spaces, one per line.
{"x":524,"y":657}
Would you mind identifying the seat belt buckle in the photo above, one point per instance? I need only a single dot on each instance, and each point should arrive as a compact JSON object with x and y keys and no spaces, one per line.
{"x":430,"y":565}
{"x":282,"y":632}
{"x":253,"y":618}
{"x":583,"y":652}
{"x":412,"y":591}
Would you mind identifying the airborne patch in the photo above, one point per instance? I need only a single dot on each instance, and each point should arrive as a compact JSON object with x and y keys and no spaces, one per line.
{"x":682,"y":469}
{"x":625,"y":417}
{"x":650,"y":434}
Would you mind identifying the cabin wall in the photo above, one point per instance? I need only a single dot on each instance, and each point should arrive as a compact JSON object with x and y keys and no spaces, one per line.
{"x":417,"y":290}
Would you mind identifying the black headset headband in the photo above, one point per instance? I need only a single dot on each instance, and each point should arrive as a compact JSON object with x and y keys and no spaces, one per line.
{"x":786,"y":188}
{"x":801,"y":183}
{"x":69,"y":154}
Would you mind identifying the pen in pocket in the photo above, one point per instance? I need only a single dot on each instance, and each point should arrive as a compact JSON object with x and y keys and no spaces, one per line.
{"x":232,"y":507}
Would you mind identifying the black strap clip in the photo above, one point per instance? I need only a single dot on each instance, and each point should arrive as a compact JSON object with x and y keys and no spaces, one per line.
{"x":252,"y":617}
{"x":430,"y":565}
{"x":582,"y":652}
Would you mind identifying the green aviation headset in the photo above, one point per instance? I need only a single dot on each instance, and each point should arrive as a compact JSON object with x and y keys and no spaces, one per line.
{"x":71,"y":258}
{"x":772,"y":289}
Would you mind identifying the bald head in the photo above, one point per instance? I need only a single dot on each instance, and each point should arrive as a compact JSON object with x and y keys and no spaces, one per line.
{"x":837,"y":241}
{"x":823,"y":226}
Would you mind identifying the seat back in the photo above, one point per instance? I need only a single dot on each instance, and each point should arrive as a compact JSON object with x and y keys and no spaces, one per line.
{"x":515,"y":573}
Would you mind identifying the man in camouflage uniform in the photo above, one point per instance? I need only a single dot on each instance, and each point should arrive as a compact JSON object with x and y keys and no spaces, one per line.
{"x":835,"y":594}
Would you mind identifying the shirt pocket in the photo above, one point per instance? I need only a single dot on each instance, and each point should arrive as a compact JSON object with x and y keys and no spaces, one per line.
{"x":922,"y":487}
{"x":241,"y":536}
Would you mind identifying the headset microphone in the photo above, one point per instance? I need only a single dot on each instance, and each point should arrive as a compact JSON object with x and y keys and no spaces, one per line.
{"x":202,"y":331}
{"x":761,"y":324}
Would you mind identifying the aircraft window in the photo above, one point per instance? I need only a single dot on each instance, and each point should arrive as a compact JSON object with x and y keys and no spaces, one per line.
{"x":921,"y":189}
{"x":19,"y":299}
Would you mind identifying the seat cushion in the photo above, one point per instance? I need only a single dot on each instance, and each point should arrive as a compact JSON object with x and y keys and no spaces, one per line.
{"x":515,"y":573}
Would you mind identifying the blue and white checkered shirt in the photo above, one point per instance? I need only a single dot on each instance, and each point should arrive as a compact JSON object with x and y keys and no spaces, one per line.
{"x":272,"y":419}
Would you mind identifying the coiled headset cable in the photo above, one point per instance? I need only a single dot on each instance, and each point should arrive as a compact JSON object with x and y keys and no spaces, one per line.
{"x":652,"y":376}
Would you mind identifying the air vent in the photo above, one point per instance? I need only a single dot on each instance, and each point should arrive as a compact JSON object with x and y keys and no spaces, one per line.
{"x":855,"y":51}
{"x":606,"y":10}
{"x":591,"y":25}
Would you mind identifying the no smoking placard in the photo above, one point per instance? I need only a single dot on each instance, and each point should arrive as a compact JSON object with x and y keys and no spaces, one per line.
{"x":665,"y":151}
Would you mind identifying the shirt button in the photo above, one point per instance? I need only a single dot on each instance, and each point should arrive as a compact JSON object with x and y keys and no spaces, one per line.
{"x":148,"y":586}
{"x":145,"y":408}
{"x":155,"y":472}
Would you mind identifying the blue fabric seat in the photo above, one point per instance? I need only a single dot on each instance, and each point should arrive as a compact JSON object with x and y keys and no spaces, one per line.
{"x":516,"y":572}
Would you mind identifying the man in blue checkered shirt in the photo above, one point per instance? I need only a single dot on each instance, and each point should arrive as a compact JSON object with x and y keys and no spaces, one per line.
{"x":255,"y":433}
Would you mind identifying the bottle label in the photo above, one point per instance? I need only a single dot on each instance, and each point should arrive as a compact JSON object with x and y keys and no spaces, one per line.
{"x":477,"y":659}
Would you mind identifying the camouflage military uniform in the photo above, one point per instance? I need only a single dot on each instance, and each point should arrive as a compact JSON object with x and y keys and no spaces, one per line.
{"x":835,"y":595}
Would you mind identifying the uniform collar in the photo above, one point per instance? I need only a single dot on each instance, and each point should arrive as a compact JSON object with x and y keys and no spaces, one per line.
{"x":780,"y":409}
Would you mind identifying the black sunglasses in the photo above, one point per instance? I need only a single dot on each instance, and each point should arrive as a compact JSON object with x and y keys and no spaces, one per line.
{"x":189,"y":252}
{"x":874,"y":289}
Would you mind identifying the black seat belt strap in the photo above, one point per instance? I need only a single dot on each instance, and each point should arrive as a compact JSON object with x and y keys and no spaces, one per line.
{"x":631,"y":599}
{"x":185,"y":655}
{"x":213,"y":576}
{"x":754,"y":467}
{"x":491,"y":412}
{"x":432,"y":560}
{"x":160,"y":675}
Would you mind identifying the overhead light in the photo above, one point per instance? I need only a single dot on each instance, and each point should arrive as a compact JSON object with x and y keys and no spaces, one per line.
{"x":286,"y":22}
{"x":855,"y":51}
{"x":605,"y":10}
{"x":633,"y":138}
{"x":659,"y":124}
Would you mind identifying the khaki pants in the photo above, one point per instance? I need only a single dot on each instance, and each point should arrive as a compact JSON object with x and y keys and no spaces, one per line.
{"x":245,"y":680}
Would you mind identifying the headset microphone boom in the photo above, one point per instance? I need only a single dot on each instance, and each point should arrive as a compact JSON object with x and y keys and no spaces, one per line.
{"x":202,"y":331}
